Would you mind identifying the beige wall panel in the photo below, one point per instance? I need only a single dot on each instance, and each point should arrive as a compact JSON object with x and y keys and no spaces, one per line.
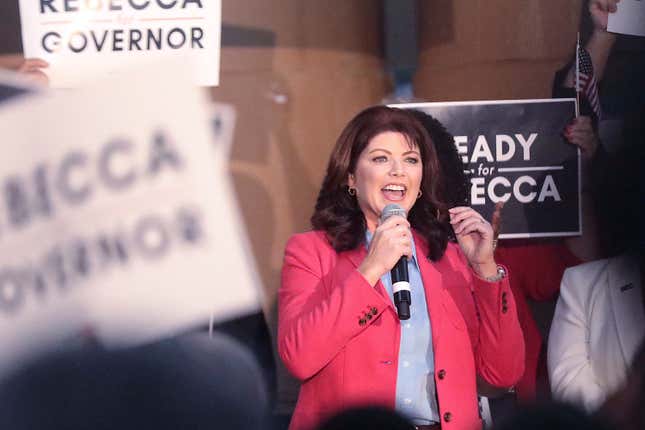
{"x":499,"y":80}
{"x":317,"y":65}
{"x":292,"y":100}
{"x":288,"y":121}
{"x":456,"y":32}
{"x":338,"y":25}
{"x":475,"y":49}
{"x":283,"y":17}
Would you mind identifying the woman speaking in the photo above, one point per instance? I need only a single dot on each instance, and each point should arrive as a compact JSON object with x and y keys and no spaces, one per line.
{"x":339,"y":331}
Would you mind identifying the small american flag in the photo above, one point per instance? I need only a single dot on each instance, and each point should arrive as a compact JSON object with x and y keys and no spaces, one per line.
{"x":586,"y":81}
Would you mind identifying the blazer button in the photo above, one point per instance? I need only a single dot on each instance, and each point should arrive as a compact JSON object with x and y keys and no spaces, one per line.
{"x":441,"y":374}
{"x":504,"y":295}
{"x":374,"y":311}
{"x":362,"y":321}
{"x":504,"y":309}
{"x":368,"y":316}
{"x":447,"y":417}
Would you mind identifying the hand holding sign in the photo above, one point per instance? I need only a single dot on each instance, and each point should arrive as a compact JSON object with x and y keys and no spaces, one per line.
{"x":580,"y":132}
{"x":514,"y":152}
{"x":122,"y":220}
{"x":599,"y":11}
{"x":31,"y":68}
{"x":628,"y":18}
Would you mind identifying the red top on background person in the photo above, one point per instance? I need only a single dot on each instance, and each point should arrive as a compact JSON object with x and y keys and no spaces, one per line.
{"x":338,"y":330}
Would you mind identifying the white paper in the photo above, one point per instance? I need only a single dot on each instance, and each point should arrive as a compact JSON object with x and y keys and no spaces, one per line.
{"x":629,"y":18}
{"x":84,"y":40}
{"x":117,"y":213}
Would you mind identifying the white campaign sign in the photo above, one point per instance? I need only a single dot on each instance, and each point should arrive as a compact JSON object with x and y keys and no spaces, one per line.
{"x":629,"y":18}
{"x":86,"y":39}
{"x":117,"y":214}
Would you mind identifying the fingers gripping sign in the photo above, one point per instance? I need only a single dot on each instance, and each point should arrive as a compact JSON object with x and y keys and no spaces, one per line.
{"x":32,"y":69}
{"x":599,"y":11}
{"x":580,"y":132}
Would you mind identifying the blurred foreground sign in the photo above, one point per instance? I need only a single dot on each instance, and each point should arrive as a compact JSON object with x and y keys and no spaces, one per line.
{"x":13,"y":85}
{"x":116,"y":205}
{"x":84,"y":39}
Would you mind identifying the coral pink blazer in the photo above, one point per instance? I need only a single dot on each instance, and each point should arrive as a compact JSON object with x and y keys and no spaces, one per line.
{"x":340,"y":336}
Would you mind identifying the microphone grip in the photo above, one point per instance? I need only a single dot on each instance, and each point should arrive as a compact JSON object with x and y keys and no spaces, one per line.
{"x":401,"y":288}
{"x":402,"y":300}
{"x":400,"y":271}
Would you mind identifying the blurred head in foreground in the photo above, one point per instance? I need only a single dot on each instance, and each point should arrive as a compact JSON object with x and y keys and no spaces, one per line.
{"x":373,"y":418}
{"x":191,"y":382}
{"x":552,"y":416}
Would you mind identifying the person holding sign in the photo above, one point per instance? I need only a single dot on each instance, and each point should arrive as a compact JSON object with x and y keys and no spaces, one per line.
{"x":599,"y":320}
{"x":31,"y":68}
{"x":536,"y":267}
{"x":338,"y":330}
{"x":598,"y":48}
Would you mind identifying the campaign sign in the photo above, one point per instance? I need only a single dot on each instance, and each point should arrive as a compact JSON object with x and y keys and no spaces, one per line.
{"x":86,"y":39}
{"x":514,"y":152}
{"x":116,"y":200}
{"x":629,"y":18}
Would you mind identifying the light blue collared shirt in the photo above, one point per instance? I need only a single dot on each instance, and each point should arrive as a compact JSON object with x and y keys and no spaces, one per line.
{"x":416,"y":395}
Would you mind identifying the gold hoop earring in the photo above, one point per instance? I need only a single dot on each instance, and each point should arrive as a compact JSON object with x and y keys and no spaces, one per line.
{"x":419,"y":195}
{"x":351,"y":191}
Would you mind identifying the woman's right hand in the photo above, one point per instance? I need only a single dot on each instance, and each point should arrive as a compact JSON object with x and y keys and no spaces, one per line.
{"x":392,"y":239}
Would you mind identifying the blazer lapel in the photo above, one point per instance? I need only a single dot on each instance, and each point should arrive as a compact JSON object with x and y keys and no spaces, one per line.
{"x":356,"y":257}
{"x":627,"y":305}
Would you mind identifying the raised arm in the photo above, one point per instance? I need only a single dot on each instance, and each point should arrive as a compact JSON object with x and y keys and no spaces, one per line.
{"x":601,"y":41}
{"x":580,"y":132}
{"x":499,"y":351}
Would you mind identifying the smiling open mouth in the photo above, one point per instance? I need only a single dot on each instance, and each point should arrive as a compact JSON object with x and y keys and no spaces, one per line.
{"x":394,"y":192}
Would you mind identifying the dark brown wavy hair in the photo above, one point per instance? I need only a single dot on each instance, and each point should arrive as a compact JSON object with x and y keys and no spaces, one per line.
{"x":337,"y":212}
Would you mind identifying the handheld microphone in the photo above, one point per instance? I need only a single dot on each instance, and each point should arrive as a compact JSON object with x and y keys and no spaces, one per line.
{"x":399,"y":273}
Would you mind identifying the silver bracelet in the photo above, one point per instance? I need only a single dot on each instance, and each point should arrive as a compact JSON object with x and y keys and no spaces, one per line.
{"x":501,"y":274}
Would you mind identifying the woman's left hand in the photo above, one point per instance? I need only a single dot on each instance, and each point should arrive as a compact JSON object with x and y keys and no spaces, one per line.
{"x":475,"y":237}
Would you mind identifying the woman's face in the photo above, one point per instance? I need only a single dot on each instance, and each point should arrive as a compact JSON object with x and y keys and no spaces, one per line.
{"x":389,"y":170}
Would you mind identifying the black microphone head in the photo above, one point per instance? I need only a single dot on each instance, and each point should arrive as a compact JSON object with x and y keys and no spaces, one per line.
{"x":391,"y":210}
